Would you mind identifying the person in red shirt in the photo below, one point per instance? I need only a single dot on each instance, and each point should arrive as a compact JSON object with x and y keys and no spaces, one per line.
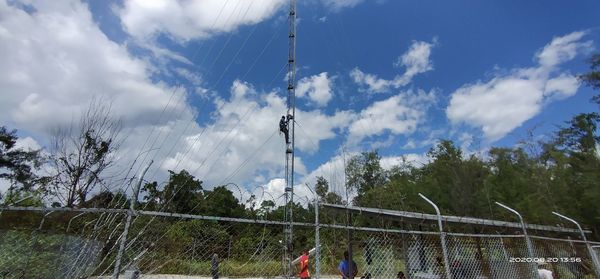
{"x":304,"y":274}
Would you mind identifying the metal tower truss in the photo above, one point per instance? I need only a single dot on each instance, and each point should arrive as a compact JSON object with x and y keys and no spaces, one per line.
{"x":289,"y":151}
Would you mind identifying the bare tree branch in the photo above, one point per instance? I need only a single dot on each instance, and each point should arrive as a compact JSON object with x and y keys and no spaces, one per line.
{"x":83,"y":151}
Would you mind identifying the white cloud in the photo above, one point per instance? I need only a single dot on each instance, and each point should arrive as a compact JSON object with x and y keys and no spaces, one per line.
{"x":374,"y":84}
{"x":412,"y":159}
{"x":505,"y":102}
{"x":333,"y":171}
{"x":337,"y":5}
{"x":193,"y":78}
{"x":245,"y":133}
{"x":416,"y":61}
{"x":56,"y":59}
{"x":187,"y":20}
{"x":561,"y":87}
{"x":27,"y":143}
{"x":562,"y":49}
{"x":317,"y":88}
{"x":399,"y":114}
{"x":432,"y":138}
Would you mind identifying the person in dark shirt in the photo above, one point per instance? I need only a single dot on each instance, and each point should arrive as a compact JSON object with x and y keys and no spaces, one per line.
{"x":283,"y":127}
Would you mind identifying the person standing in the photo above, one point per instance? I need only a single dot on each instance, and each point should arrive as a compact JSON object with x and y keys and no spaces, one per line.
{"x":304,"y":273}
{"x":344,"y":267}
{"x":544,"y":273}
{"x":214,"y":266}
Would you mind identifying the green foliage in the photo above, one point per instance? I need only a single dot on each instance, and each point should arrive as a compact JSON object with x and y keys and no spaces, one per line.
{"x":182,"y":194}
{"x":35,"y":254}
{"x":592,"y":78}
{"x":107,"y":199}
{"x":364,"y":173}
{"x":322,"y":187}
{"x":333,"y":198}
{"x":562,"y":177}
{"x":17,"y":166}
{"x":221,"y":202}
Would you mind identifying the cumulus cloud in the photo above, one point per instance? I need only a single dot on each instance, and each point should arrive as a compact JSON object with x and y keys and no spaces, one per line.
{"x":337,"y":5}
{"x":399,"y":114}
{"x":416,"y":61}
{"x":187,"y":20}
{"x":506,"y":101}
{"x":56,"y":59}
{"x":316,"y":88}
{"x":27,"y":143}
{"x":562,"y":49}
{"x":243,"y":140}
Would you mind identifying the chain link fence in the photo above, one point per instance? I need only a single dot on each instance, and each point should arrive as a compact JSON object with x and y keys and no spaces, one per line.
{"x":566,"y":258}
{"x":59,"y":243}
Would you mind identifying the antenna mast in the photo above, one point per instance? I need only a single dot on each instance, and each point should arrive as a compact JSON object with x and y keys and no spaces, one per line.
{"x":289,"y":151}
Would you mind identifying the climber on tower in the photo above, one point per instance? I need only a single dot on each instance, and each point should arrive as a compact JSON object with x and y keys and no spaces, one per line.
{"x":283,"y":127}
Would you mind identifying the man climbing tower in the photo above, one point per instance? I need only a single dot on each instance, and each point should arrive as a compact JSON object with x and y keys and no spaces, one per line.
{"x":283,"y":127}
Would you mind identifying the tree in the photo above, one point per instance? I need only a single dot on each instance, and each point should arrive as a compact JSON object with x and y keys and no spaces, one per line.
{"x":183,"y":193}
{"x":332,"y":198}
{"x":580,"y":134}
{"x":221,"y":202}
{"x":82,"y":152}
{"x":573,"y":159}
{"x":322,"y":187}
{"x":107,"y":199}
{"x":453,"y":182}
{"x":322,"y":190}
{"x":18,"y":166}
{"x":592,"y":78}
{"x":364,"y":173}
{"x":266,"y":207}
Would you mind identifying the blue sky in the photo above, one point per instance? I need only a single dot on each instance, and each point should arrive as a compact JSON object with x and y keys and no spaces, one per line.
{"x":205,"y":80}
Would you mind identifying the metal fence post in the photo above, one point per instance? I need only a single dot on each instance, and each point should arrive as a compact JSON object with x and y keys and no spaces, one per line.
{"x":317,"y":241}
{"x":130,"y":214}
{"x":317,"y":236}
{"x":595,"y":261}
{"x":442,"y":236}
{"x":527,"y":240}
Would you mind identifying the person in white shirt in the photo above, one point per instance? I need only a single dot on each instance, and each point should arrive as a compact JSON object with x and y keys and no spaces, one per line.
{"x":544,"y":273}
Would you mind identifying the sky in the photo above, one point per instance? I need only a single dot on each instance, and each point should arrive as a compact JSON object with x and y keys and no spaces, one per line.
{"x":201,"y":85}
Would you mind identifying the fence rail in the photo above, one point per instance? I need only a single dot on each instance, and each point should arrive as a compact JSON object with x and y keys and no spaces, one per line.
{"x":84,"y":243}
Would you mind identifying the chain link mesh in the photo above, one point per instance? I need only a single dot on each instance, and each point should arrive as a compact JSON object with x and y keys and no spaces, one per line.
{"x":481,"y":256}
{"x":85,"y":245}
{"x":194,"y":247}
{"x":565,"y":258}
{"x":55,"y":244}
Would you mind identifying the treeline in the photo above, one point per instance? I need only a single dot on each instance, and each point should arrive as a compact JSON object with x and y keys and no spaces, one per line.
{"x":560,"y":174}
